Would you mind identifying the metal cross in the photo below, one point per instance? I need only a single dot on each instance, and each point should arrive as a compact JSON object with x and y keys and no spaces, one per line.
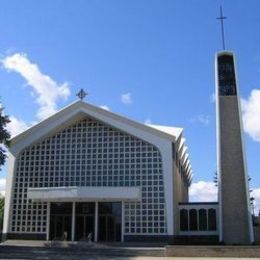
{"x":81,"y":95}
{"x":221,"y":18}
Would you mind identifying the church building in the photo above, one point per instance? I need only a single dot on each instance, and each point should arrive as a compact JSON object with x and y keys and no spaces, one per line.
{"x":89,"y":174}
{"x":86,"y":173}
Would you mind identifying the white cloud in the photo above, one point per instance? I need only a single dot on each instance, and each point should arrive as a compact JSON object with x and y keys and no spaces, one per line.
{"x":126,"y":98}
{"x":203,"y":119}
{"x":256,"y":194}
{"x":202,"y":191}
{"x":16,"y":126}
{"x":47,"y":91}
{"x":2,"y":186}
{"x":213,"y":98}
{"x":105,"y":107}
{"x":147,"y":121}
{"x":251,"y":114}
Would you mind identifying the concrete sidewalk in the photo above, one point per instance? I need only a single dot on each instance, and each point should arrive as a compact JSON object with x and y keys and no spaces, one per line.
{"x":213,"y":251}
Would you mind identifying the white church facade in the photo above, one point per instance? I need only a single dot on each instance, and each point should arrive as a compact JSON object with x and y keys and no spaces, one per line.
{"x":87,"y":173}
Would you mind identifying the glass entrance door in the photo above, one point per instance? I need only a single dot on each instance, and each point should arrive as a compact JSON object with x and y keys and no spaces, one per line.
{"x":85,"y":221}
{"x":109,"y":221}
{"x":60,"y":221}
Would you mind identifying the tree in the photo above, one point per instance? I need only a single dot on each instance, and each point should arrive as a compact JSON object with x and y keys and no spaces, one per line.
{"x":4,"y":135}
{"x":4,"y":140}
{"x":252,"y":199}
{"x":2,"y":205}
{"x":215,"y":178}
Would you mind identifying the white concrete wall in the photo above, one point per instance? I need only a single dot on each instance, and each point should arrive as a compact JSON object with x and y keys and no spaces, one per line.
{"x":9,"y":191}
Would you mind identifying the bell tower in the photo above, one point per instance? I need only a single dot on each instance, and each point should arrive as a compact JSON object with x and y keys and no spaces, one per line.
{"x":235,"y":216}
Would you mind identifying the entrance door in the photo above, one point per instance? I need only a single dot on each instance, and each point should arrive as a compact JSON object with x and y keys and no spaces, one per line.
{"x":85,"y":221}
{"x":60,"y":221}
{"x":109,"y":221}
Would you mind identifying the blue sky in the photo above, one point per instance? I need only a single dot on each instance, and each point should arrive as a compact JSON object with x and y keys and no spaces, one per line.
{"x":159,"y":53}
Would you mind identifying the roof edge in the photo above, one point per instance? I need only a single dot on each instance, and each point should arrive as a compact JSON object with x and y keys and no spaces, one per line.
{"x":94,"y":108}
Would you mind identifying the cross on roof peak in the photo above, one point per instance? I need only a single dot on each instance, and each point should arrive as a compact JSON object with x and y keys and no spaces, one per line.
{"x":81,"y":94}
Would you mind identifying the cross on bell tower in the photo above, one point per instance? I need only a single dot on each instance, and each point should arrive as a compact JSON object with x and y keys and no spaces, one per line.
{"x":81,"y":94}
{"x":221,"y":18}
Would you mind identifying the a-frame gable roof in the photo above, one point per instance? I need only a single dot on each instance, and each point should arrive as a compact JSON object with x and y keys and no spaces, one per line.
{"x":79,"y":109}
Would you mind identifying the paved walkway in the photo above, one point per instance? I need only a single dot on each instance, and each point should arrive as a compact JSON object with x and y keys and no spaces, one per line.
{"x":41,"y":243}
{"x":21,"y":249}
{"x":42,"y":250}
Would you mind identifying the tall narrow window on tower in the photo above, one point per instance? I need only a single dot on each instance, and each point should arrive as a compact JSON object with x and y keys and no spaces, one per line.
{"x":226,"y":75}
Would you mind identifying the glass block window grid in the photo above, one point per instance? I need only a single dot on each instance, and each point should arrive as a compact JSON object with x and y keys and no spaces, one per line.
{"x":90,"y":153}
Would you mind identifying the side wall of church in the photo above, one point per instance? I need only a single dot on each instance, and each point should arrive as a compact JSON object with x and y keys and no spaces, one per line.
{"x":180,"y":188}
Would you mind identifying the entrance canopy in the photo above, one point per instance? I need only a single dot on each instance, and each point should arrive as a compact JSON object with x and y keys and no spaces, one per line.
{"x":84,"y":193}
